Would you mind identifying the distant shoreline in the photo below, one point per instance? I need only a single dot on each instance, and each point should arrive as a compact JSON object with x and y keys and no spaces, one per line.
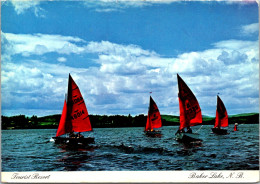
{"x":112,"y":121}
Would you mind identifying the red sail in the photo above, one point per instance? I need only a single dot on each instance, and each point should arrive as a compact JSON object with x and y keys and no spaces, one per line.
{"x":221,"y":114}
{"x":190,"y":112}
{"x":77,"y":111}
{"x":74,"y":116}
{"x":154,"y":117}
{"x":62,"y":127}
{"x":183,"y":122}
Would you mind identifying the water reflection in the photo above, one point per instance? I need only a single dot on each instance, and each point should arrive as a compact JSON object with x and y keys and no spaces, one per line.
{"x":74,"y":158}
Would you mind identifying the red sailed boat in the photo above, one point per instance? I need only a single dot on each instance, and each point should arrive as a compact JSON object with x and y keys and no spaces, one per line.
{"x":235,"y":127}
{"x":221,"y":118}
{"x":74,"y":118}
{"x":153,"y":120}
{"x":190,"y":113}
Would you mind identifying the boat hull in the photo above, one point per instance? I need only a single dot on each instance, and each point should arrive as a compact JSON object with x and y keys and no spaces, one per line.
{"x":153,"y":133}
{"x":188,"y":138}
{"x":74,"y":141}
{"x":219,"y":131}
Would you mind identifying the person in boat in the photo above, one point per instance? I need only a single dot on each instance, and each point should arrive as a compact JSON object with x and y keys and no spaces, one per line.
{"x":79,"y":135}
{"x":189,"y":130}
{"x":179,"y":131}
{"x":72,"y":135}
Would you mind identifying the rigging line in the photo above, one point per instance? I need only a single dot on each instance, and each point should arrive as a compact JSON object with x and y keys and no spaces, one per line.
{"x":199,"y":128}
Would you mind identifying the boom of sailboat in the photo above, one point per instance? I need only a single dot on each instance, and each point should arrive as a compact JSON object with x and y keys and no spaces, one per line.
{"x":75,"y":119}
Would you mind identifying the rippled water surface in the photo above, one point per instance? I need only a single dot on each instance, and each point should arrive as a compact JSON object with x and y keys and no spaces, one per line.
{"x":129,"y":149}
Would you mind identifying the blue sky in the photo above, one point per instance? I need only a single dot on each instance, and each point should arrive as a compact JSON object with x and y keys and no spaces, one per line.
{"x":119,"y":51}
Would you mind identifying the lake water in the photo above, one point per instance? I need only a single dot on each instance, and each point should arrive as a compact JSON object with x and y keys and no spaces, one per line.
{"x":128,"y":149}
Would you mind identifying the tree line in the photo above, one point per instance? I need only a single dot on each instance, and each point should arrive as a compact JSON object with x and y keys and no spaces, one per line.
{"x":105,"y":121}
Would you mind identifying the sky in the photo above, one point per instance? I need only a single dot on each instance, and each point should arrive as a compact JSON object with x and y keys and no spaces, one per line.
{"x":119,"y":51}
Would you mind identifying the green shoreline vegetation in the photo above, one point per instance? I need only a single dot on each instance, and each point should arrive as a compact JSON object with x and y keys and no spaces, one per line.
{"x":104,"y":121}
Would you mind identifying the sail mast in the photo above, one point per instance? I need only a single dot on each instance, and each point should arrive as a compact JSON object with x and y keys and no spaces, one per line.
{"x":148,"y":121}
{"x":69,"y":106}
{"x":64,"y":124}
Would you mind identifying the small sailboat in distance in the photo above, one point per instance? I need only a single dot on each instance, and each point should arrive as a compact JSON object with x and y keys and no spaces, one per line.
{"x":190,"y":114}
{"x":153,"y":120}
{"x":221,"y":118}
{"x":235,"y":127}
{"x":74,"y":118}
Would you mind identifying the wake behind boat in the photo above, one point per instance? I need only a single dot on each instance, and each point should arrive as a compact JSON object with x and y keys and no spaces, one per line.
{"x":74,"y":118}
{"x":221,"y":118}
{"x":190,"y":114}
{"x":153,"y":120}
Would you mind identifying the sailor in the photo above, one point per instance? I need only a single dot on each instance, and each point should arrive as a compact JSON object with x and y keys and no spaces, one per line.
{"x":79,"y":135}
{"x":179,"y":131}
{"x":72,"y":135}
{"x":189,"y":130}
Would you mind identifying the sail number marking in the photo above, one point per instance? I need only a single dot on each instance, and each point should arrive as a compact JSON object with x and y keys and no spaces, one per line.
{"x":155,"y":117}
{"x":77,"y":100}
{"x":191,"y":109}
{"x":77,"y":115}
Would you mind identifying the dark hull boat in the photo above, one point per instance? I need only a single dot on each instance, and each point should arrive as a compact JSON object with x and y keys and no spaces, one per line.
{"x":219,"y":131}
{"x":221,"y":118}
{"x":190,"y":114}
{"x":188,"y":138}
{"x":74,"y":118}
{"x":153,"y":120}
{"x":155,"y":133}
{"x":74,"y":141}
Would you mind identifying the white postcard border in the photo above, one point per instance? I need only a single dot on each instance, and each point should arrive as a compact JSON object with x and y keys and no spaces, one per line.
{"x":216,"y":176}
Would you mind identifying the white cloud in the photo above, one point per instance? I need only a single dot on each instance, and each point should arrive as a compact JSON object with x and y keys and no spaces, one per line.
{"x":127,"y":73}
{"x":24,"y":5}
{"x":39,"y":44}
{"x":106,"y":10}
{"x":250,"y":29}
{"x":104,"y":5}
{"x":62,"y":59}
{"x":106,"y":47}
{"x":236,"y":45}
{"x":21,"y":6}
{"x":34,"y":84}
{"x":120,"y":5}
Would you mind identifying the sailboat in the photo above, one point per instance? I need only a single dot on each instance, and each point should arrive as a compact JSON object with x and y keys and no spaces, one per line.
{"x":190,"y":114}
{"x":153,"y":120}
{"x":74,"y":118}
{"x":221,"y":118}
